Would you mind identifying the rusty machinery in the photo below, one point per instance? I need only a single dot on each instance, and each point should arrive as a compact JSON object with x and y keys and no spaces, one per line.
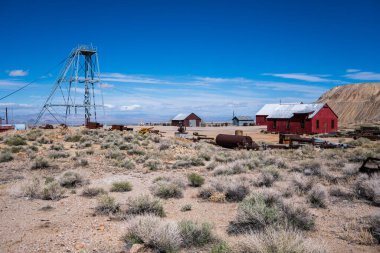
{"x":235,"y":141}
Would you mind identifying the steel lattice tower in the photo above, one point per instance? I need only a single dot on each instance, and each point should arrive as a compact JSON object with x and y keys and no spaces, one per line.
{"x":79,"y":76}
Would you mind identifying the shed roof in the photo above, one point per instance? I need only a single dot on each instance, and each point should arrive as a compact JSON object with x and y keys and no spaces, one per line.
{"x":243,"y":118}
{"x":183,"y":116}
{"x":286,"y":111}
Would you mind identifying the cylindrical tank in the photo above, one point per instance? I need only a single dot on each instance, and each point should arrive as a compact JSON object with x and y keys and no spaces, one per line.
{"x":239,"y":132}
{"x":233,"y":141}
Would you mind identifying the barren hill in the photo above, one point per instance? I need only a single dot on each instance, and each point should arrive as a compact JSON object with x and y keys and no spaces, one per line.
{"x":354,"y":103}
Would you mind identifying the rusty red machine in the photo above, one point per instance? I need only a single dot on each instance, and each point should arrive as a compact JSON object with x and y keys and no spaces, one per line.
{"x":236,"y":141}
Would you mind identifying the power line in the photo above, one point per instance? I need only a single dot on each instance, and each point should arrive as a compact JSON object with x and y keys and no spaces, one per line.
{"x":26,"y":85}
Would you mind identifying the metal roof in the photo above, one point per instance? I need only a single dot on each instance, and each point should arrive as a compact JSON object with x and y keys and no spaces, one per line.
{"x":243,"y":118}
{"x":286,"y":111}
{"x":181,"y":116}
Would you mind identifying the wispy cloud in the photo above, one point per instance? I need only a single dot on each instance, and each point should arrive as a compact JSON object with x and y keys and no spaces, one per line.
{"x":16,"y":105}
{"x":361,"y":75}
{"x":303,"y":77}
{"x":130,"y":107}
{"x":17,"y":72}
{"x":352,"y":70}
{"x":106,"y":85}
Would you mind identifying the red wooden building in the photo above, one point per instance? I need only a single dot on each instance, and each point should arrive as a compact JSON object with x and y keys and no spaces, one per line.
{"x":187,"y":120}
{"x":298,"y":118}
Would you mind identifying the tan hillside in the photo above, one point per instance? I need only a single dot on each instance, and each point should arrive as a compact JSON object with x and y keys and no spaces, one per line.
{"x":354,"y":103}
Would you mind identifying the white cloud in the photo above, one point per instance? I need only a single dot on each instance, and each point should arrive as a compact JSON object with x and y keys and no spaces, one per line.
{"x":352,"y":70}
{"x":109,"y":106}
{"x":15,"y":105}
{"x":10,"y":83}
{"x":130,"y":107}
{"x":18,"y":72}
{"x":370,"y":76}
{"x":106,"y":85}
{"x":303,"y":77}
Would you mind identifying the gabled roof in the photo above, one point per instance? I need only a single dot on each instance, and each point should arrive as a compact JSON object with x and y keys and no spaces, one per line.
{"x":243,"y":118}
{"x":286,"y":111}
{"x":183,"y":116}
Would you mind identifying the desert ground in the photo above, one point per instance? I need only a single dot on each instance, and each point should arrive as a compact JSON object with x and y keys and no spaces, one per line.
{"x":80,"y":190}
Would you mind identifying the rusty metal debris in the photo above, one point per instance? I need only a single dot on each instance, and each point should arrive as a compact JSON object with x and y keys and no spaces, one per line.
{"x":235,"y":141}
{"x":93,"y":125}
{"x":47,"y":126}
{"x":294,"y":140}
{"x":370,"y":166}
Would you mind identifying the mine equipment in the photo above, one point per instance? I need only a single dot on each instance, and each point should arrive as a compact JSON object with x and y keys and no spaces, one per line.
{"x":75,"y":87}
{"x":145,"y":130}
{"x":117,"y":127}
{"x":235,"y":141}
{"x":370,"y":166}
{"x":93,"y":125}
{"x":197,"y":137}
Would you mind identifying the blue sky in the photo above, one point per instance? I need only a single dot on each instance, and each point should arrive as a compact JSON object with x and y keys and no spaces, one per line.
{"x":159,"y":58}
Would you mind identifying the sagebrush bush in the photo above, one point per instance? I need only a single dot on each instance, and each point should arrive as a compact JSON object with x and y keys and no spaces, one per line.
{"x":40,"y":163}
{"x":225,"y":188}
{"x":33,"y":134}
{"x":369,"y":188}
{"x":73,"y":138}
{"x":311,"y":167}
{"x":153,"y":164}
{"x":167,"y":188}
{"x":93,"y":191}
{"x":265,"y":179}
{"x":236,"y":167}
{"x":15,"y":140}
{"x":275,"y":240}
{"x":58,"y":154}
{"x":121,"y":186}
{"x":57,"y":147}
{"x":341,"y":192}
{"x":31,"y":189}
{"x":107,"y":205}
{"x":154,"y":232}
{"x":318,"y":196}
{"x":71,"y":179}
{"x":255,"y":212}
{"x":115,"y":154}
{"x":195,"y":179}
{"x":195,"y":234}
{"x":301,"y":184}
{"x":145,"y":204}
{"x":52,"y":191}
{"x":5,"y":157}
{"x":297,"y":216}
{"x":186,"y":208}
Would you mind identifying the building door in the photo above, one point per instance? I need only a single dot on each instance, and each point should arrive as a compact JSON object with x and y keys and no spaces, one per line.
{"x":192,"y":123}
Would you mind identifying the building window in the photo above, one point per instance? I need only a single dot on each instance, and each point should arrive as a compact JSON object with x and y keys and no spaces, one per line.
{"x":317,"y":124}
{"x":274,"y":124}
{"x":332,"y":124}
{"x":302,"y":123}
{"x":288,"y":124}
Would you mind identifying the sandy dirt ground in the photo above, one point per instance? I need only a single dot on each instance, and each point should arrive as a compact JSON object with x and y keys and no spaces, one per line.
{"x":71,"y":225}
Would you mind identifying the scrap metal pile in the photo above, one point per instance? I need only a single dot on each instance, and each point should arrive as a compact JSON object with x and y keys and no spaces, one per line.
{"x":369,"y":132}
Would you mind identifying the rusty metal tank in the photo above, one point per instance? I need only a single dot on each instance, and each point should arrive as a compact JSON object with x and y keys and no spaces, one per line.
{"x":235,"y":141}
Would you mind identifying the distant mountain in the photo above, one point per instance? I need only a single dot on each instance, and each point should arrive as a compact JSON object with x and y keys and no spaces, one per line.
{"x":354,"y":103}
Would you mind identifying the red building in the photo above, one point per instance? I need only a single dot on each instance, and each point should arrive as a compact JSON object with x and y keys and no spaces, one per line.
{"x":298,"y":118}
{"x":187,"y":120}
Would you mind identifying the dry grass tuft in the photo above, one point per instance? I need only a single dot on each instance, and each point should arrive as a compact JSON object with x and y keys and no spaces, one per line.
{"x":145,"y":204}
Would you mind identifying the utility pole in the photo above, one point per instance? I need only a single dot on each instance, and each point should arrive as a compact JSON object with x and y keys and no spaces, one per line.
{"x":6,"y":115}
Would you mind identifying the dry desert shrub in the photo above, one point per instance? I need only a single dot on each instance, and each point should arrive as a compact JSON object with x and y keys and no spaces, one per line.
{"x":225,"y":188}
{"x":233,"y":168}
{"x":375,"y":227}
{"x":35,"y":189}
{"x":93,"y":191}
{"x":121,"y":186}
{"x":264,"y":208}
{"x":355,"y":231}
{"x":165,"y":187}
{"x":5,"y":157}
{"x":58,"y":154}
{"x":301,"y":184}
{"x":154,"y":232}
{"x":115,"y":154}
{"x":195,"y":234}
{"x":264,"y":179}
{"x":40,"y":163}
{"x":221,"y":247}
{"x":52,"y":191}
{"x":107,"y":205}
{"x":33,"y":134}
{"x":318,"y":196}
{"x":73,"y":137}
{"x":15,"y":140}
{"x":186,"y":208}
{"x":153,"y":164}
{"x":310,"y":167}
{"x":369,"y":188}
{"x":195,"y":179}
{"x":145,"y":204}
{"x":57,"y":147}
{"x":341,"y":192}
{"x":276,"y":240}
{"x":187,"y":162}
{"x":359,"y":154}
{"x":71,"y":179}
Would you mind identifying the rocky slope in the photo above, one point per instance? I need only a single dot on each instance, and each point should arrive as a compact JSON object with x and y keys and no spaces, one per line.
{"x":354,"y":103}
